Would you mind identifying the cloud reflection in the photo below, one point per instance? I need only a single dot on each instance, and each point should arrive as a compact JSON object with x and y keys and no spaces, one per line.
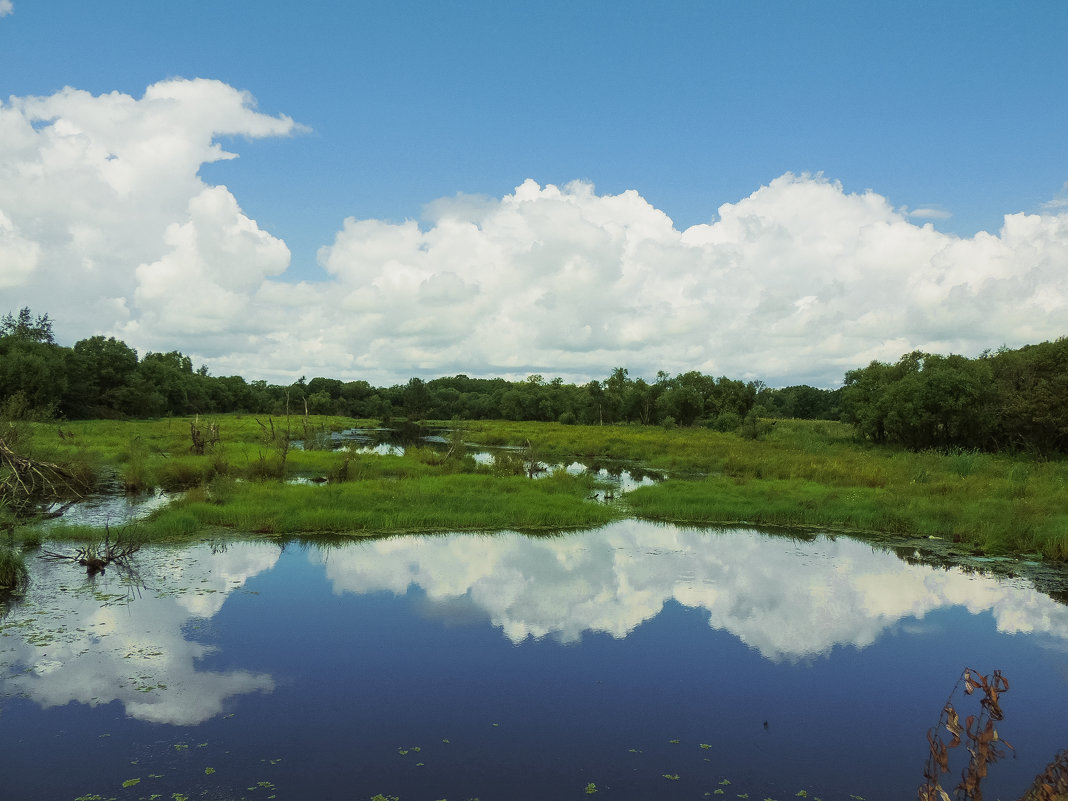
{"x":788,"y":599}
{"x":72,"y":641}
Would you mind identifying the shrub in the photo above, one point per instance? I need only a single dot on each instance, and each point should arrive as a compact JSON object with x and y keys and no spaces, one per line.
{"x":725,"y":422}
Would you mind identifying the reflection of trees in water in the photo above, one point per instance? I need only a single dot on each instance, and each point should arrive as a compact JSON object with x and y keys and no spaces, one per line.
{"x":1049,"y":579}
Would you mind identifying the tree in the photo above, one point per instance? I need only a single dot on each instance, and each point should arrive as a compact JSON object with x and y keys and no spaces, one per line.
{"x":416,"y":399}
{"x":27,"y":328}
{"x":99,"y":368}
{"x":36,"y":370}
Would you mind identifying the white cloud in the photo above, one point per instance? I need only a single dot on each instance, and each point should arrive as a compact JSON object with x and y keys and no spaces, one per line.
{"x":107,"y":225}
{"x":1059,"y":202}
{"x":929,"y":214}
{"x":6,"y":7}
{"x":102,"y":212}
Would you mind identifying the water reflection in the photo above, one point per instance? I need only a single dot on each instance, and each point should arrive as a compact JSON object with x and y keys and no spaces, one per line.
{"x":619,"y":478}
{"x":112,"y":639}
{"x":111,"y":505}
{"x":790,"y":600}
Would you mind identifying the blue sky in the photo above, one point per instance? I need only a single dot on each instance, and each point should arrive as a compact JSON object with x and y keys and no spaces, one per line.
{"x":953,"y":113}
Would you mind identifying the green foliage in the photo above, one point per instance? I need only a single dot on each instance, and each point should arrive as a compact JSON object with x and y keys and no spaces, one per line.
{"x":26,"y":327}
{"x":1013,"y":399}
{"x":810,"y":474}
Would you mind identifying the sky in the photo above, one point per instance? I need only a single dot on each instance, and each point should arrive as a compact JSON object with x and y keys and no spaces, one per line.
{"x":765,"y":190}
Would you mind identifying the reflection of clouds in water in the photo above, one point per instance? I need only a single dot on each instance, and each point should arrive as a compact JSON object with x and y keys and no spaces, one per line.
{"x":67,"y":643}
{"x":788,"y":599}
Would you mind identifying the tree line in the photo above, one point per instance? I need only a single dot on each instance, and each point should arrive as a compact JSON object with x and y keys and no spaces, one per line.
{"x":1004,"y":400}
{"x":1011,"y":399}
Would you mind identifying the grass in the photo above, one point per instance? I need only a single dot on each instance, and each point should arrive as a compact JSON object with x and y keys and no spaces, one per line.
{"x":13,"y":573}
{"x":799,"y":473}
{"x":383,"y":505}
{"x":813,"y":473}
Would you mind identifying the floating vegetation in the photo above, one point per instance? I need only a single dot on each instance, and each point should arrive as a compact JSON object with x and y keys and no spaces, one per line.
{"x":131,"y":782}
{"x":671,"y":776}
{"x":591,"y":788}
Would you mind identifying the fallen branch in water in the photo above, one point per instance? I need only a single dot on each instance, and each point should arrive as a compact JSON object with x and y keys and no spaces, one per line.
{"x":97,"y":556}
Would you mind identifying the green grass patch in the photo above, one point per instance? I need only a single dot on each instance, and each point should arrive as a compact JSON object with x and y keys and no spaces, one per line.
{"x":379,"y":505}
{"x":13,"y":572}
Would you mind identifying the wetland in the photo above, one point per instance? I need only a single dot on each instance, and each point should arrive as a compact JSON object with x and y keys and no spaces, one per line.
{"x":526,"y":611}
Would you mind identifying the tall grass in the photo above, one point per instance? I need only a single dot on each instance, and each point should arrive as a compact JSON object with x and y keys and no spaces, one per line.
{"x":13,"y":572}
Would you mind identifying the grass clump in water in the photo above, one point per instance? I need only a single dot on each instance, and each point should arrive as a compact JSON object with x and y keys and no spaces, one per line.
{"x":379,"y":505}
{"x":13,"y":572}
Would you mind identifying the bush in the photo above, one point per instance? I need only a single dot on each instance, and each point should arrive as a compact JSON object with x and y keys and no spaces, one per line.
{"x":725,"y":422}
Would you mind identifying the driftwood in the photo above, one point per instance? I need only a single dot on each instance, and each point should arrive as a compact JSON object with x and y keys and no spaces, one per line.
{"x":23,"y":480}
{"x":97,"y":556}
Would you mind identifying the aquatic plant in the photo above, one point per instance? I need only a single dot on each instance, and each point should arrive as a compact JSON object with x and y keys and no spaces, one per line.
{"x":13,"y":573}
{"x":981,"y":734}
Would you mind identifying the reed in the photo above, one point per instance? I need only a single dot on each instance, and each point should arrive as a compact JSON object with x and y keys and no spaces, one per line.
{"x":13,"y":572}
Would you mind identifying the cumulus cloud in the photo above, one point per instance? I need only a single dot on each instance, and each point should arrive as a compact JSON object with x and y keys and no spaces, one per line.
{"x":6,"y":7}
{"x":106,"y":224}
{"x":798,"y":281}
{"x":102,"y":211}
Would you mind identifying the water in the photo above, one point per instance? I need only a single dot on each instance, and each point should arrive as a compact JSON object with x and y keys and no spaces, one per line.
{"x":513,"y":667}
{"x":614,"y":479}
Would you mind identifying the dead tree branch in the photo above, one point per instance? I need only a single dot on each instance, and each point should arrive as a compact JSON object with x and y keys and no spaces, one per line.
{"x":24,"y":480}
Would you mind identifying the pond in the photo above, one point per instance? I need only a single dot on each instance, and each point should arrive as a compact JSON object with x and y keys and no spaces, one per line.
{"x":636,"y":661}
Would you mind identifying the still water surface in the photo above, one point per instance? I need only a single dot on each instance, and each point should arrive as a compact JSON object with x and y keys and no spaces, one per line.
{"x":643,"y":658}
